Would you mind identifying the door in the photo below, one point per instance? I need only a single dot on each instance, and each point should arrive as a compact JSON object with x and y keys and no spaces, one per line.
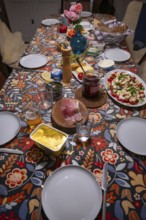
{"x":21,"y":17}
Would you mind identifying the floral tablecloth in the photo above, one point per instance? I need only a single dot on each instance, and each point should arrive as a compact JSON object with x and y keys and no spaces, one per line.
{"x":21,"y":176}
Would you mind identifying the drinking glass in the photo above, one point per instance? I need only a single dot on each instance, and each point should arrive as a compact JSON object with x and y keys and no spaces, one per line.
{"x":83,"y":129}
{"x":32,"y":114}
{"x":46,"y":97}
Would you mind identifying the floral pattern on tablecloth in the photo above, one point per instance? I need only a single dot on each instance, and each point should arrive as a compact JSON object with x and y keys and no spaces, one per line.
{"x":22,"y":175}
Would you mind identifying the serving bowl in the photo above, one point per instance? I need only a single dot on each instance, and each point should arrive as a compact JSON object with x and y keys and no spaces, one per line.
{"x":49,"y":138}
{"x":106,"y":64}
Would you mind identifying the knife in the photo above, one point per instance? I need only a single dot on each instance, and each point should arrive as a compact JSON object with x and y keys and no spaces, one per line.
{"x":104,"y":187}
{"x":10,"y":151}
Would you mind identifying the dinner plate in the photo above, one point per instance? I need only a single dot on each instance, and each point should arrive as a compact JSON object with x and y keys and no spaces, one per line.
{"x":71,"y":193}
{"x":130,"y":73}
{"x":86,"y":25}
{"x":33,"y":61}
{"x":9,"y":126}
{"x":117,"y":54}
{"x":50,"y":21}
{"x":131,"y":134}
{"x":85,"y":14}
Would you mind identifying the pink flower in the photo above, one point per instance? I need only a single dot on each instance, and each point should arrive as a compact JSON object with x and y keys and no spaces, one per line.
{"x":66,"y":13}
{"x":76,"y":8}
{"x":73,"y":16}
{"x":73,"y":8}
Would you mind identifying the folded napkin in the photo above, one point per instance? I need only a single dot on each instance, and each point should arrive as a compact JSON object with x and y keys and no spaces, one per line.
{"x":139,"y":41}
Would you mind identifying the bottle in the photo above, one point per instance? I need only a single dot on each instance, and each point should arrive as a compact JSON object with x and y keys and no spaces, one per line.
{"x":78,"y":43}
{"x":66,"y":65}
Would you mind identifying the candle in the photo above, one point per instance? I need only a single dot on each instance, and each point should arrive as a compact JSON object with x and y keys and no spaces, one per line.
{"x":62,"y":28}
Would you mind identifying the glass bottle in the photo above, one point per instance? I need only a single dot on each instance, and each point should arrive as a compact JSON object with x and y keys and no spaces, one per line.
{"x":78,"y":43}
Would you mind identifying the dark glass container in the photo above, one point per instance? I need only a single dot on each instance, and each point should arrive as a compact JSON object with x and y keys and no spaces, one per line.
{"x":57,"y":90}
{"x":90,"y":86}
{"x":78,"y":43}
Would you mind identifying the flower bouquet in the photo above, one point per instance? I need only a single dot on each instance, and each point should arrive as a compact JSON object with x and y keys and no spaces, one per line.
{"x":73,"y":16}
{"x":78,"y":42}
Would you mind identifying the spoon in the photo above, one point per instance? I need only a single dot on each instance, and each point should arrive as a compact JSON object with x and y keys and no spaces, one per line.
{"x":78,"y":61}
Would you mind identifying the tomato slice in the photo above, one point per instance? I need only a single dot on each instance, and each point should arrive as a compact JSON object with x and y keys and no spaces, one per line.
{"x":80,"y":75}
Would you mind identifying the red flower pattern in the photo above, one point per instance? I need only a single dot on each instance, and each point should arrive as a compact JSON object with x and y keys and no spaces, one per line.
{"x":16,"y":177}
{"x":109,"y":157}
{"x":99,"y":143}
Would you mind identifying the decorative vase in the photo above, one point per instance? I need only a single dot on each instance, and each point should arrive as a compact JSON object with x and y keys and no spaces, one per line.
{"x":78,"y":43}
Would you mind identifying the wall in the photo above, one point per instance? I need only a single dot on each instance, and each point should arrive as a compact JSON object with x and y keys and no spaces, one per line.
{"x":3,"y":14}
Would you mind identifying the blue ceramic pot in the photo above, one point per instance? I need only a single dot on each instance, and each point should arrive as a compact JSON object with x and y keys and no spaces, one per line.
{"x":78,"y":43}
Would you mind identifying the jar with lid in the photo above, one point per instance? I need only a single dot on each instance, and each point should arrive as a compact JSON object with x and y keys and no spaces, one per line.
{"x":90,"y":86}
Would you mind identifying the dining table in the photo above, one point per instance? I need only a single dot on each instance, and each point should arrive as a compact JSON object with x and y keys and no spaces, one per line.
{"x":22,"y":175}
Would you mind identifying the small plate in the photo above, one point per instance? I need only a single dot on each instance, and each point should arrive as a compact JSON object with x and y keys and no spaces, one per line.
{"x":116,"y":54}
{"x":9,"y":126}
{"x":71,"y":193}
{"x":51,"y":21}
{"x":86,"y":25}
{"x":85,"y":14}
{"x":33,"y":61}
{"x":76,"y":76}
{"x":106,"y":64}
{"x":131,"y":134}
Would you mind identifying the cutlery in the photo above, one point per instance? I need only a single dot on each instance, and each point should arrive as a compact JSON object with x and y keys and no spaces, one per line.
{"x":78,"y":61}
{"x":10,"y":151}
{"x":104,"y":187}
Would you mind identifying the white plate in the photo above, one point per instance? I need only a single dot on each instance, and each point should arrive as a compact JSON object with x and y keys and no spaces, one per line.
{"x":71,"y":193}
{"x":85,"y":14}
{"x":76,"y":76}
{"x":86,"y":25}
{"x":130,"y":73}
{"x":9,"y":126}
{"x":33,"y":61}
{"x":131,"y":134}
{"x":117,"y":54}
{"x":50,"y":21}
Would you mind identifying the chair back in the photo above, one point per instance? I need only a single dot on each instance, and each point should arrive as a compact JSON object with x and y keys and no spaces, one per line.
{"x":130,"y":19}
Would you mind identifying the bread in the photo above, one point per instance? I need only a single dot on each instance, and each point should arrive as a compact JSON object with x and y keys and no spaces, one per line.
{"x":86,"y":68}
{"x":121,"y":28}
{"x":75,"y":65}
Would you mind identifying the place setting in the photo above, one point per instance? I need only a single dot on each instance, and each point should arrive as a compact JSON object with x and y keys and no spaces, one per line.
{"x":33,"y":61}
{"x":75,"y":142}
